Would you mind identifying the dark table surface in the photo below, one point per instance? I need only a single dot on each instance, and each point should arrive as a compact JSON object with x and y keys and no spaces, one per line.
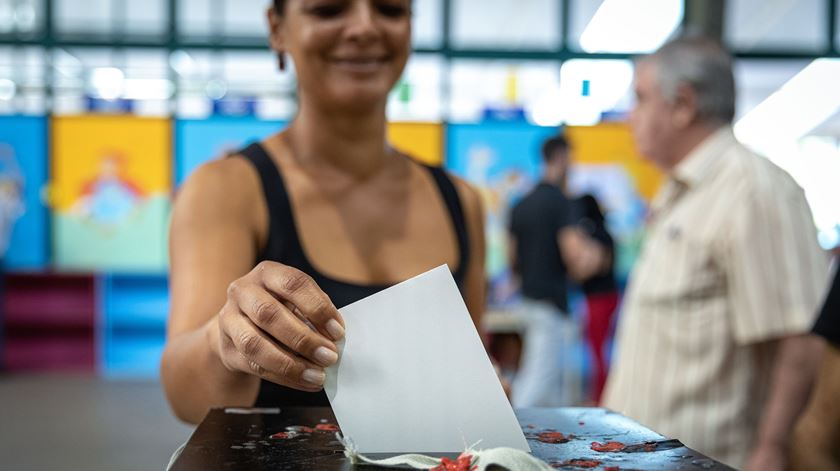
{"x":241,"y":439}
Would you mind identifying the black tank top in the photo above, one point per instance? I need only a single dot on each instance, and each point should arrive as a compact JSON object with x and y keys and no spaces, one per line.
{"x":283,"y":246}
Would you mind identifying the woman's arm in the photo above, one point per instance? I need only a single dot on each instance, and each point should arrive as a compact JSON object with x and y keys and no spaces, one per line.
{"x":231,"y":324}
{"x":212,"y":243}
{"x":475,"y":283}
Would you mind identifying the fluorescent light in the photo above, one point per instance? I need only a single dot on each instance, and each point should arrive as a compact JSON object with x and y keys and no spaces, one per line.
{"x":108,"y":82}
{"x":799,"y":106}
{"x":631,"y":26}
{"x":588,"y":87}
{"x":147,"y":89}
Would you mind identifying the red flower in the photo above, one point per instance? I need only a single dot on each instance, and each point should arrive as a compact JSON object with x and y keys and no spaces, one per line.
{"x":462,"y":463}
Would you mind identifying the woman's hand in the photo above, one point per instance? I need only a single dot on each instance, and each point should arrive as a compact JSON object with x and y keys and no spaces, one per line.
{"x":277,"y":324}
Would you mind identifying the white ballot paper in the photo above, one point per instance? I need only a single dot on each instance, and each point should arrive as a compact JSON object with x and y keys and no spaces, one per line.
{"x":413,"y":375}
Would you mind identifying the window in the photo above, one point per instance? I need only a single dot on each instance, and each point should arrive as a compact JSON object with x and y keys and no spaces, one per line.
{"x":506,"y":24}
{"x":232,"y":18}
{"x":21,"y":17}
{"x":418,"y":96}
{"x":479,"y":87}
{"x":794,"y":25}
{"x":107,"y":18}
{"x":427,"y":23}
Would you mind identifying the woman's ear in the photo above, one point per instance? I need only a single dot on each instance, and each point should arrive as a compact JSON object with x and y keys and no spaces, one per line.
{"x":276,"y":38}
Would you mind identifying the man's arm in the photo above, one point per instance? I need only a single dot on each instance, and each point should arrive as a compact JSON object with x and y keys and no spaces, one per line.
{"x":793,"y":379}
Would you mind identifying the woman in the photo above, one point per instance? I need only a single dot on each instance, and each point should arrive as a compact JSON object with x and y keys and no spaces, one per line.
{"x":269,"y":242}
{"x":600,"y":290}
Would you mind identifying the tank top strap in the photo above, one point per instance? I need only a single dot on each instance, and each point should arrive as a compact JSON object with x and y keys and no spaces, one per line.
{"x":456,"y":213}
{"x":282,"y":236}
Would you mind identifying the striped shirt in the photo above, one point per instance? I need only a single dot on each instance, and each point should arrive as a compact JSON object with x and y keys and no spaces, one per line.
{"x":730,"y":261}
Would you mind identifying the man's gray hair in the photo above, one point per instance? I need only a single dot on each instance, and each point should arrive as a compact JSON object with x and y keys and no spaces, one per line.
{"x":706,"y":67}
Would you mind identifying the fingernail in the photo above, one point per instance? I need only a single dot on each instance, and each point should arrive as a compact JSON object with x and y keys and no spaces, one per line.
{"x":325,"y":356}
{"x":335,"y":330}
{"x":313,"y":376}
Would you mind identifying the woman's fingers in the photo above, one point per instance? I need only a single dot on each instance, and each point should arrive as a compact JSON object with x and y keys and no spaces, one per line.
{"x":298,"y":288}
{"x":249,"y":349}
{"x":279,"y":325}
{"x":275,"y":319}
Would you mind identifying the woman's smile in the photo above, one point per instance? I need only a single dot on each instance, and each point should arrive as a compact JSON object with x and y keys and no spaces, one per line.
{"x":361,"y":64}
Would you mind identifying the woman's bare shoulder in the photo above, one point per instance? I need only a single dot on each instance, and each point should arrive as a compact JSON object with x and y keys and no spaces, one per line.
{"x":226,"y":187}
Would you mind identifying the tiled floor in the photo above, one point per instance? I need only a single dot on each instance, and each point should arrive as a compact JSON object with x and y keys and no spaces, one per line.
{"x":53,"y":422}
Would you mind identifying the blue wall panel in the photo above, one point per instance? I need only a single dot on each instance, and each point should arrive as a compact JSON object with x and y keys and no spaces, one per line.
{"x":23,"y":151}
{"x":487,"y":152}
{"x":504,"y":160}
{"x":133,"y":324}
{"x":198,"y":141}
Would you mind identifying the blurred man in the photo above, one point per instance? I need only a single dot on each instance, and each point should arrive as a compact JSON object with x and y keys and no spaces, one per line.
{"x":545,"y":250}
{"x":730,"y":276}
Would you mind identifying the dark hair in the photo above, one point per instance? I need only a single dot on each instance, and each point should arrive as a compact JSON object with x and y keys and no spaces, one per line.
{"x":590,"y":208}
{"x":553,"y":145}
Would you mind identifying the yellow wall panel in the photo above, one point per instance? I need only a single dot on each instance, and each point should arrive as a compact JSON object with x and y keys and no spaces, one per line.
{"x":423,"y":141}
{"x":612,"y":143}
{"x":139,"y":146}
{"x":111,"y":179}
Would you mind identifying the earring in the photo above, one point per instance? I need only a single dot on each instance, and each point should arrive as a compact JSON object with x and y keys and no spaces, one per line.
{"x":281,"y":61}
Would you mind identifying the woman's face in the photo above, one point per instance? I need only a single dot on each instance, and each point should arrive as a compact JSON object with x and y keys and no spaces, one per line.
{"x":347,"y":53}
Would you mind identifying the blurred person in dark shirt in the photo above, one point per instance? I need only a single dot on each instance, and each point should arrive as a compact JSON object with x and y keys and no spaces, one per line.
{"x":547,"y":248}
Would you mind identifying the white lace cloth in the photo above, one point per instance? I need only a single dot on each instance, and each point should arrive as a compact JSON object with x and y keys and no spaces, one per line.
{"x":505,"y":458}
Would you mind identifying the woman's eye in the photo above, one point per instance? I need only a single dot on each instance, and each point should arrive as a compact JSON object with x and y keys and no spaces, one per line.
{"x":327,"y":11}
{"x":392,"y":10}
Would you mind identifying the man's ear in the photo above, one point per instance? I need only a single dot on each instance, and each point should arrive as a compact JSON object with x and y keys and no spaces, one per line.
{"x":276,"y":38}
{"x":685,"y":106}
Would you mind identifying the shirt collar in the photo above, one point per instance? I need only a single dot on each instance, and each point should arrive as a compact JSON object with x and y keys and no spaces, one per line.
{"x":703,"y":158}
